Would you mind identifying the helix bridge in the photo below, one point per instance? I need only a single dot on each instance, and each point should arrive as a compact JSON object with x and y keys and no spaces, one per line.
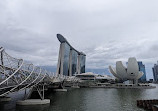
{"x":17,"y":74}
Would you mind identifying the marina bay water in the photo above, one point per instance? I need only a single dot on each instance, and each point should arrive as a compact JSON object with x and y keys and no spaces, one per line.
{"x":88,"y":99}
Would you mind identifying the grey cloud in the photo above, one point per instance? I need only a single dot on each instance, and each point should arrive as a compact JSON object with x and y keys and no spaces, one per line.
{"x":106,"y":30}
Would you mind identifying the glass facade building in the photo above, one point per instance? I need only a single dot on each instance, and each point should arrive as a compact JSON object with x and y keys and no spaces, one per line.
{"x":155,"y":72}
{"x":82,"y":63}
{"x":66,"y":59}
{"x":142,"y":68}
{"x":74,"y":62}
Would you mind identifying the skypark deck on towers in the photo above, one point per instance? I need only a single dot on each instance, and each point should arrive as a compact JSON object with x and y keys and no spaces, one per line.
{"x":70,"y":61}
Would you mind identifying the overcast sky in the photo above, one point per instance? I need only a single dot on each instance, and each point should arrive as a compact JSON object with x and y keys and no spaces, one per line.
{"x":106,"y":30}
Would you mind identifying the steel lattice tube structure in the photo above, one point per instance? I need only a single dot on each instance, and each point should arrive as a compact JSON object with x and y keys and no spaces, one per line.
{"x":17,"y":74}
{"x":70,"y":61}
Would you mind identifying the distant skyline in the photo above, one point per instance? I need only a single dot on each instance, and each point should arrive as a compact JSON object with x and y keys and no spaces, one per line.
{"x":106,"y":30}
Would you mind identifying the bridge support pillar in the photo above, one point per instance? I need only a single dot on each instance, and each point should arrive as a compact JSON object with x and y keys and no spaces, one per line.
{"x":61,"y":88}
{"x":33,"y":102}
{"x":75,"y":85}
{"x":40,"y":101}
{"x":5,"y":99}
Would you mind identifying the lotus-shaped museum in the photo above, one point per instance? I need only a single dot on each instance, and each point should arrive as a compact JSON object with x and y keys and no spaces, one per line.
{"x":130,"y":73}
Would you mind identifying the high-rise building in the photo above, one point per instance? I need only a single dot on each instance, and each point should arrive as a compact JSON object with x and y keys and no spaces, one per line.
{"x":73,"y":62}
{"x":142,"y":68}
{"x":70,"y":61}
{"x":155,"y":72}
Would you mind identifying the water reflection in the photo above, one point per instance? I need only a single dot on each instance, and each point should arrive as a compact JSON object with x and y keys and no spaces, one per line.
{"x":67,"y":101}
{"x":88,"y":99}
